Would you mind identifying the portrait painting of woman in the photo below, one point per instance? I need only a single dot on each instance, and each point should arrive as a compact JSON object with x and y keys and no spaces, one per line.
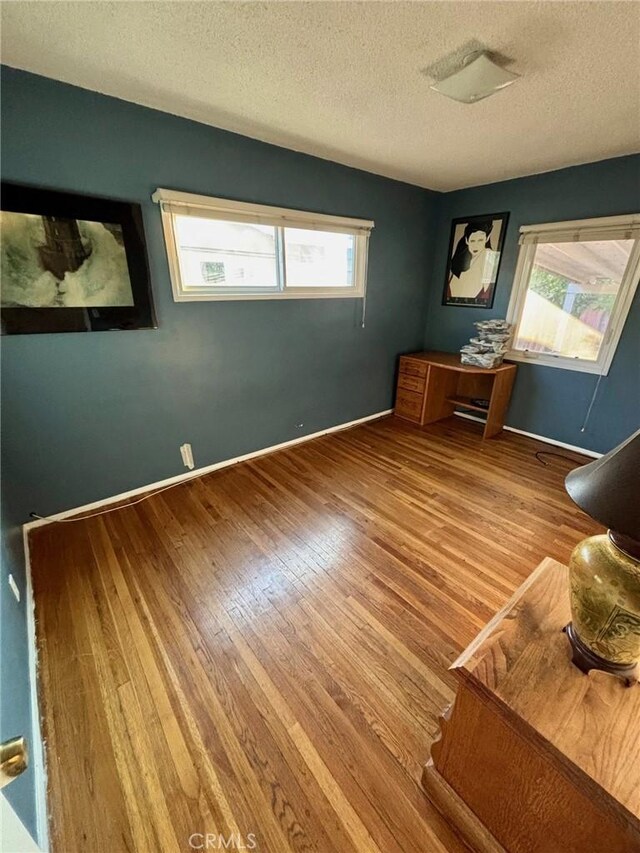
{"x":474,"y":254}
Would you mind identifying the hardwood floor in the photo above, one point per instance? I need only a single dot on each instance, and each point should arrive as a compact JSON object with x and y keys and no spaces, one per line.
{"x":262,"y":652}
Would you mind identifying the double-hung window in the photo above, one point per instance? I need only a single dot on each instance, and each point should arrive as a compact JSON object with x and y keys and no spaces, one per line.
{"x":572,"y":291}
{"x":221,"y":249}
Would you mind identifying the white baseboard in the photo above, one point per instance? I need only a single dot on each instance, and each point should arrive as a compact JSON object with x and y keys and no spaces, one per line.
{"x":198,"y":472}
{"x":544,"y":438}
{"x":36,"y":747}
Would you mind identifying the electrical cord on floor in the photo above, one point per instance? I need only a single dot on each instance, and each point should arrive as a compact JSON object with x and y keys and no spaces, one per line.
{"x":109,"y":509}
{"x":540,"y":453}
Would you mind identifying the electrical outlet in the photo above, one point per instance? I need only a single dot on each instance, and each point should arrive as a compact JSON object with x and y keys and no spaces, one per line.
{"x":14,"y":587}
{"x":187,"y":456}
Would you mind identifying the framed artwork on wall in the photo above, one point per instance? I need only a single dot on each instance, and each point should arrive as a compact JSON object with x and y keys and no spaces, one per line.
{"x":473,"y":260}
{"x":71,"y":263}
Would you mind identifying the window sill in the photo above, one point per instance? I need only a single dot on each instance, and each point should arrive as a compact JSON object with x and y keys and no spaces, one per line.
{"x":297,"y":294}
{"x":558,"y":362}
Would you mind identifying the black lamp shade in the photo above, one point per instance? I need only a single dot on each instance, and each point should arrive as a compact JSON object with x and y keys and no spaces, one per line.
{"x":609,"y":488}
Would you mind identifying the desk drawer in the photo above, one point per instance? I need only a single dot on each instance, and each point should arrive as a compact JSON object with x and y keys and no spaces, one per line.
{"x":409,"y":405}
{"x":412,"y":367}
{"x":411,"y":383}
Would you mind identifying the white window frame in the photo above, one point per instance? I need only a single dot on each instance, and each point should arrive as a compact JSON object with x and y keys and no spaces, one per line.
{"x":602,"y":228}
{"x":174,"y":203}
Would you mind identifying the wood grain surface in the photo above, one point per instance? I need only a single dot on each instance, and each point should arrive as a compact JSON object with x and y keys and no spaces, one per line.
{"x":263,"y":651}
{"x":452,"y":361}
{"x":565,"y":745}
{"x":590,"y":724}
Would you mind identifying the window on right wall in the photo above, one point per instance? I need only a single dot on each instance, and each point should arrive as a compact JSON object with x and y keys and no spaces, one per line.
{"x":572,"y":291}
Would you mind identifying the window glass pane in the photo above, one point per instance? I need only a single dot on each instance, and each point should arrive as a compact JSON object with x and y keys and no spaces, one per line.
{"x":571,"y":293}
{"x":214,"y":253}
{"x":318,"y":258}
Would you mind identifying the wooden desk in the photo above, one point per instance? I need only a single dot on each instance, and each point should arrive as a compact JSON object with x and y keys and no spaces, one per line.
{"x":431,"y":385}
{"x":535,"y":756}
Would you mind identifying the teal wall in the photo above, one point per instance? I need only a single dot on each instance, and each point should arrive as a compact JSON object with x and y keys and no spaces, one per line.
{"x":89,"y":415}
{"x":86,"y":416}
{"x":547,"y":400}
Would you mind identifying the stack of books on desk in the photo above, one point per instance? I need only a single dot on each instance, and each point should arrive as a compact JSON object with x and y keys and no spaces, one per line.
{"x":488,"y":347}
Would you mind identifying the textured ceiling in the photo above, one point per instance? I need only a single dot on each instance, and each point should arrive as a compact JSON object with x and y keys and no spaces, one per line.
{"x":346,"y":81}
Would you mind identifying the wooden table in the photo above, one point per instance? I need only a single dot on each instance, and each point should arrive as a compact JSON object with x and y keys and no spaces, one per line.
{"x":432,"y":385}
{"x":534,"y":755}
